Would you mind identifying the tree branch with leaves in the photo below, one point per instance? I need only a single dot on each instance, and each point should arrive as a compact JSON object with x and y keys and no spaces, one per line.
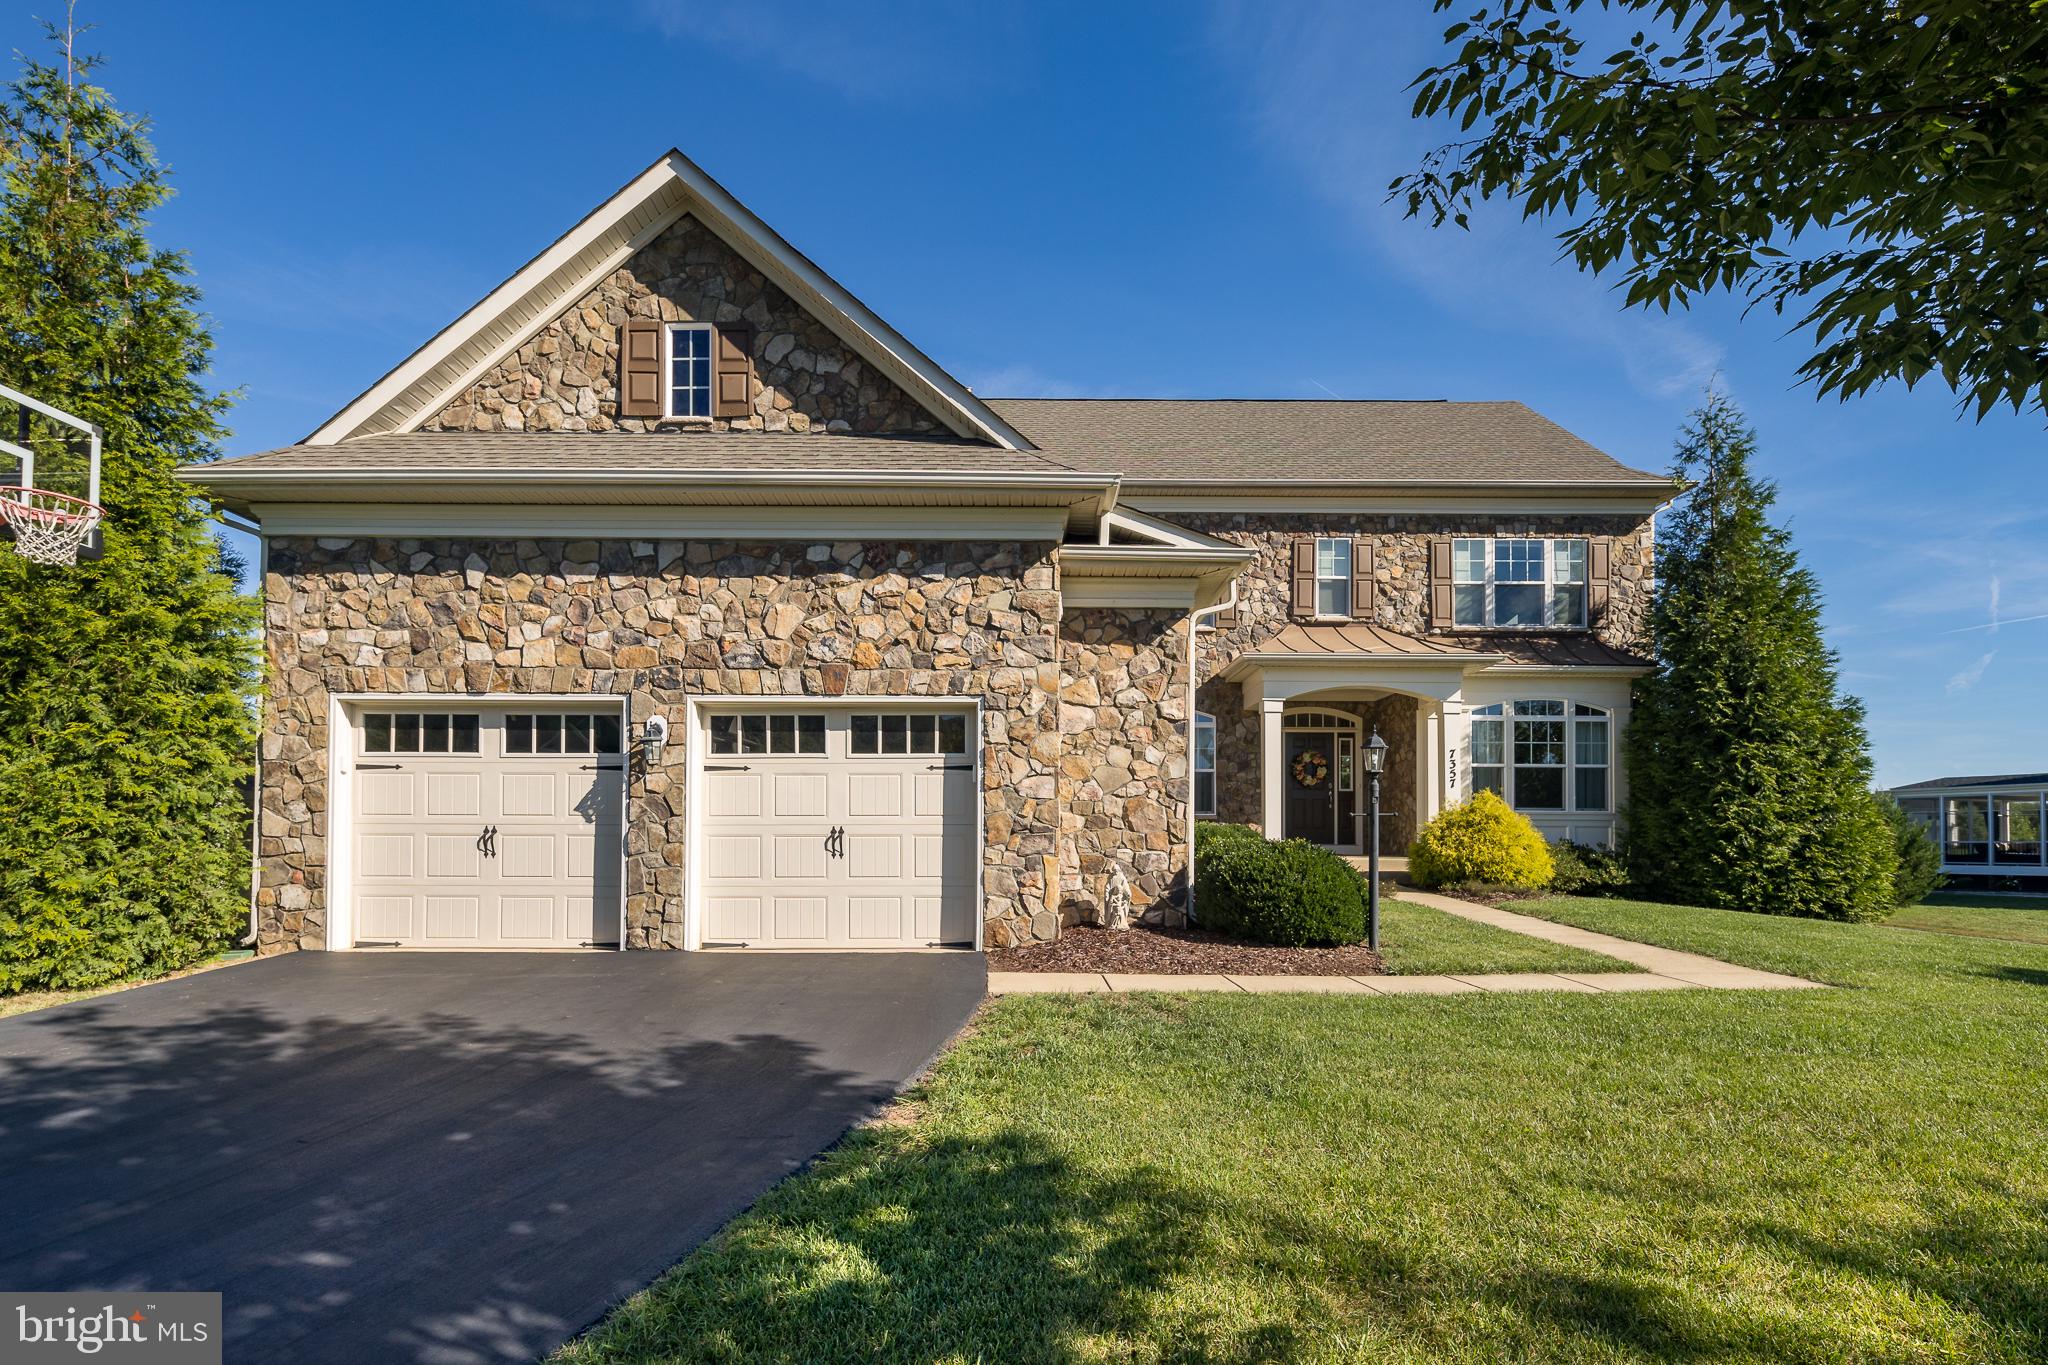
{"x":1873,"y":171}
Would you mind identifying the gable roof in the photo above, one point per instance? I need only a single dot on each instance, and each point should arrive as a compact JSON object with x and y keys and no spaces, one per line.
{"x":603,"y":241}
{"x":1192,"y":441}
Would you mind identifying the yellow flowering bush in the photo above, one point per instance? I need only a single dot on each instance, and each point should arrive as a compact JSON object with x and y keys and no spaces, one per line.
{"x":1481,"y":840}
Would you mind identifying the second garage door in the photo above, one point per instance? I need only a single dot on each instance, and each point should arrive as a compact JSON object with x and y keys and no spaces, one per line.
{"x":837,"y":828}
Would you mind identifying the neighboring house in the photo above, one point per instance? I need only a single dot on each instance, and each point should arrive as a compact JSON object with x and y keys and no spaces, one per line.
{"x":1989,"y":828}
{"x":669,"y":597}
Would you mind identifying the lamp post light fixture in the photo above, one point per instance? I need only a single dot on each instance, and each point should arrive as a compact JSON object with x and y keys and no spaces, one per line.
{"x":1375,"y":764}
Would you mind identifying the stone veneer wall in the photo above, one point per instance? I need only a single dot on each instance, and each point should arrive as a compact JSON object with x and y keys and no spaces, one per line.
{"x":566,"y":377}
{"x":1123,"y":761}
{"x":656,"y":621}
{"x":1402,"y":571}
{"x":1401,"y":603}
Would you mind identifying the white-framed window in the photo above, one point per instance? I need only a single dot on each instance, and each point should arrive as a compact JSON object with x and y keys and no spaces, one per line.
{"x":915,"y":732}
{"x":1519,"y":584}
{"x":689,"y":370}
{"x":1543,"y":754}
{"x":767,"y":732}
{"x":1333,"y":576}
{"x":1205,"y":763}
{"x":563,"y":733}
{"x":420,"y":732}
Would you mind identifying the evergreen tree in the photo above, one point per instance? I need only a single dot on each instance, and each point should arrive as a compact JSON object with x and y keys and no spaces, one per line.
{"x":1749,"y":777}
{"x":126,"y":683}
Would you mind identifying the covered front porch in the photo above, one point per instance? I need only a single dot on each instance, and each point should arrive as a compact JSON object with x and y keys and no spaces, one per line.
{"x":1541,"y":729}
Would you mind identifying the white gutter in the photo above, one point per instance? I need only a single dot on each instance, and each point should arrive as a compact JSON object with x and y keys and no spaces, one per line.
{"x":1194,"y":619}
{"x":256,"y":766}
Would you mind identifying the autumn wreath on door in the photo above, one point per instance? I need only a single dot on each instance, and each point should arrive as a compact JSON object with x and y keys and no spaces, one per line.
{"x":1311,"y":768}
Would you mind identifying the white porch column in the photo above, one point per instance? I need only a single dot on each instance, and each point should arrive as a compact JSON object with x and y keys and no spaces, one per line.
{"x":1272,"y":766}
{"x":1429,"y":760}
{"x":1457,"y":738}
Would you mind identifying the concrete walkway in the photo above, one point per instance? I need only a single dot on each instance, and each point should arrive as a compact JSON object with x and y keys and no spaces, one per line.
{"x":1663,"y":969}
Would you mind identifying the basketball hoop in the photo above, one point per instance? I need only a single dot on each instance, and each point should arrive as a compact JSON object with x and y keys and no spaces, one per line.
{"x":49,"y":528}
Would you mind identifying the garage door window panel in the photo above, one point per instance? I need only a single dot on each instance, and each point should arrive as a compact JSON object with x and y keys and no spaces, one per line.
{"x":413,"y":732}
{"x":894,"y":733}
{"x":567,"y":733}
{"x":767,"y":732}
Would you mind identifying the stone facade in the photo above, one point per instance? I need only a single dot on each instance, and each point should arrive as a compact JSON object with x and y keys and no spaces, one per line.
{"x":1402,"y":570}
{"x":1401,"y":603}
{"x":657,"y":621}
{"x":566,"y":377}
{"x":1123,"y":759}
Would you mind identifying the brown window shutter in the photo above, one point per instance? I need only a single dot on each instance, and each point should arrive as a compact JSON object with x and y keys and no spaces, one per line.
{"x":640,"y":368}
{"x":1364,"y":584}
{"x":732,"y":373}
{"x":1599,"y":570}
{"x":1440,"y":599}
{"x":1225,"y":619}
{"x":1304,"y":578}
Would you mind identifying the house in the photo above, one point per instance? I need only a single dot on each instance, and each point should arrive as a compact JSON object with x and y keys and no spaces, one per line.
{"x":670,"y":598}
{"x":1988,"y":828}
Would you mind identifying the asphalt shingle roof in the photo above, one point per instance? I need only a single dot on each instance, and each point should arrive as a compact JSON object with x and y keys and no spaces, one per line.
{"x":2002,"y":780}
{"x":1172,"y":439}
{"x":648,"y":452}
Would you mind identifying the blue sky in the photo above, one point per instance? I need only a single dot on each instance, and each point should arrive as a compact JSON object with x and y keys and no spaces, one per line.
{"x":1051,"y":198}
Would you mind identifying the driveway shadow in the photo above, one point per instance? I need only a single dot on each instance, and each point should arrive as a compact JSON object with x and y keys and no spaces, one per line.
{"x":399,"y":1158}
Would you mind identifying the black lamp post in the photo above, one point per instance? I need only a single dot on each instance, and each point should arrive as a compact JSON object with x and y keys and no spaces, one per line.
{"x":1375,"y":763}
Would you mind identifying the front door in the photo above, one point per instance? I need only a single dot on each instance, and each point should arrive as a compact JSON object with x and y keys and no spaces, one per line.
{"x":1312,"y":785}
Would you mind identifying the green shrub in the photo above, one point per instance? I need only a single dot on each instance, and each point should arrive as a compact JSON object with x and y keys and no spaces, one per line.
{"x":1917,"y":868}
{"x":1583,"y":870}
{"x":1210,"y":833}
{"x":1481,"y":840}
{"x":1293,"y":894}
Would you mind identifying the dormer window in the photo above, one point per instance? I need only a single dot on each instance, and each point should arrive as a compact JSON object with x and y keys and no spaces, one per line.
{"x":689,"y":370}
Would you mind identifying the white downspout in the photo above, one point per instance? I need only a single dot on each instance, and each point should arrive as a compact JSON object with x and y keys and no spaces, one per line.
{"x":1194,"y":618}
{"x":256,"y":767}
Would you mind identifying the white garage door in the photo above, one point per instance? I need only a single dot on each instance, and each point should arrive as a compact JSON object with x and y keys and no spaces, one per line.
{"x":837,"y":828}
{"x":486,"y":828}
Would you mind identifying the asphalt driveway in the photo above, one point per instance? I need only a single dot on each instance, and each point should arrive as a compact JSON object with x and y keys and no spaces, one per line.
{"x":438,"y":1157}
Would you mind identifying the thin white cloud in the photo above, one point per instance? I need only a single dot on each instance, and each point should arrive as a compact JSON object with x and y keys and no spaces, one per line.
{"x":1968,"y":678}
{"x":1026,"y":381}
{"x":1298,"y":74}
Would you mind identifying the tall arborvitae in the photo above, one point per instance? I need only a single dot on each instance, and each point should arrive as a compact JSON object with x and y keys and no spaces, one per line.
{"x":126,"y":730}
{"x":1749,"y":777}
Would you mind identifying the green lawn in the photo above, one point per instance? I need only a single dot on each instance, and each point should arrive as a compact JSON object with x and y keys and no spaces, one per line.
{"x":1854,"y":1175}
{"x":2013,"y":917}
{"x":1416,"y":940}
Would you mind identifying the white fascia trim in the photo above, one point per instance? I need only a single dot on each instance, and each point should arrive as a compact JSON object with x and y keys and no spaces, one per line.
{"x":1163,"y":532}
{"x":1570,"y":670}
{"x":655,"y":521}
{"x":227,"y":476}
{"x":1180,"y":593}
{"x":486,"y":310}
{"x":1108,"y":561}
{"x":1463,"y":663}
{"x":873,"y":331}
{"x":845,"y":315}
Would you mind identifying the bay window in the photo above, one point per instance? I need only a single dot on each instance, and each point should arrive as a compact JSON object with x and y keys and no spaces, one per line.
{"x":1543,"y":754}
{"x":1518,"y":584}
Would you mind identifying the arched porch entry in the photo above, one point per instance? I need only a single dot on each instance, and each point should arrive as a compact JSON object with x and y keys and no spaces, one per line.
{"x":1319,"y":756}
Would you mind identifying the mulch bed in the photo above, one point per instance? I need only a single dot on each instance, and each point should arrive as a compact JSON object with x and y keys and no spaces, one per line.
{"x":1178,"y":952}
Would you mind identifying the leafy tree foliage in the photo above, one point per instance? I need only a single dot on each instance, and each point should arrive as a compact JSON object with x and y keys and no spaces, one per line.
{"x":1749,"y":776}
{"x":1874,"y":168}
{"x":125,"y":683}
{"x":1916,"y":870}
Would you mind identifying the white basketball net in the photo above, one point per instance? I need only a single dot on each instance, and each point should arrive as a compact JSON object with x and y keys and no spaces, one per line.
{"x":49,"y":528}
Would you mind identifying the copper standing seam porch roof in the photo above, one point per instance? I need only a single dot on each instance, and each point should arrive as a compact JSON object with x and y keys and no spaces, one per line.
{"x":1512,"y":648}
